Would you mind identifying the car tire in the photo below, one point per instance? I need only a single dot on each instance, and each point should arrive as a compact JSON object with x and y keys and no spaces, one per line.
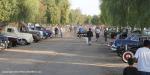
{"x":126,"y":56}
{"x":35,"y":39}
{"x":23,"y":42}
{"x":10,"y":44}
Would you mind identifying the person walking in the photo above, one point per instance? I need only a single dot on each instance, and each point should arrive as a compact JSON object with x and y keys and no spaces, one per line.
{"x":97,"y":32}
{"x":105,"y":35}
{"x":89,"y":36}
{"x":61,"y":32}
{"x":142,"y":56}
{"x":56,"y":30}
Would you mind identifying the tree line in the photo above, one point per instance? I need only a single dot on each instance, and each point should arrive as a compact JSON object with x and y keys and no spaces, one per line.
{"x":122,"y":13}
{"x":43,"y":11}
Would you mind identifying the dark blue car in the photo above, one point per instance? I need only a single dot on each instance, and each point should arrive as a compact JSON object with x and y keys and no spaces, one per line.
{"x":46,"y":33}
{"x":132,"y":39}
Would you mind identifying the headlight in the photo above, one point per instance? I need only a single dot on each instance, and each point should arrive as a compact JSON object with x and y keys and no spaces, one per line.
{"x":113,"y":46}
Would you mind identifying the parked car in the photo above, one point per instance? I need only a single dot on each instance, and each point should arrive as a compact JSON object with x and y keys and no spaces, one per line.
{"x":82,"y":32}
{"x":130,"y":50}
{"x":3,"y":42}
{"x":131,"y":39}
{"x":146,"y":32}
{"x":119,"y":36}
{"x":13,"y":31}
{"x":13,"y":41}
{"x":36,"y":35}
{"x":50,"y":33}
{"x":46,"y":33}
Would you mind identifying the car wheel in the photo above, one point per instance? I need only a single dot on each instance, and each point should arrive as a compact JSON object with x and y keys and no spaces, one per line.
{"x":126,"y":56}
{"x":35,"y":39}
{"x":14,"y":44}
{"x":23,"y":42}
{"x":45,"y":37}
{"x":10,"y":44}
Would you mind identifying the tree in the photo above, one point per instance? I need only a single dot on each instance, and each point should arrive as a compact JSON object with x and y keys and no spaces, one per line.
{"x":57,"y":11}
{"x":76,"y":17}
{"x":64,"y":8}
{"x":7,"y":10}
{"x":133,"y":13}
{"x":41,"y":17}
{"x":88,"y":19}
{"x":95,"y":20}
{"x":28,"y":10}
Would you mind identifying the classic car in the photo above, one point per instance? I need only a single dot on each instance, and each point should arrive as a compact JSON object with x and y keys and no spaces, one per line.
{"x":46,"y":33}
{"x":146,"y":32}
{"x":3,"y":42}
{"x":119,"y":36}
{"x":13,"y":41}
{"x":12,"y":31}
{"x":82,"y":32}
{"x":36,"y":35}
{"x":129,"y":50}
{"x":131,"y":39}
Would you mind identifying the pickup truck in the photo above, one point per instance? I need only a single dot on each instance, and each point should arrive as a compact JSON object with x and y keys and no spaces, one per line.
{"x":13,"y":31}
{"x":36,"y":35}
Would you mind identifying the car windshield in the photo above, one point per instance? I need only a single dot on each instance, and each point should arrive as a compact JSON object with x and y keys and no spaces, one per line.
{"x":38,"y":28}
{"x":133,"y":37}
{"x":129,"y":37}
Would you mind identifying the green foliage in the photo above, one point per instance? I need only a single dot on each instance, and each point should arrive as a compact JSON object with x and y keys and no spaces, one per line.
{"x":43,"y":11}
{"x":125,"y":13}
{"x":95,"y":20}
{"x":57,"y":11}
{"x":28,"y":10}
{"x":76,"y":17}
{"x":88,"y":19}
{"x":7,"y":9}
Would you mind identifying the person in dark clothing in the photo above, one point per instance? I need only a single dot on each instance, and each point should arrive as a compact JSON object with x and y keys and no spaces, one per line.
{"x":130,"y":70}
{"x":105,"y":35}
{"x":56,"y":31}
{"x":89,"y":36}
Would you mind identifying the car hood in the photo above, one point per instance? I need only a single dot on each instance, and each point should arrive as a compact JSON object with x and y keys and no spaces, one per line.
{"x":121,"y":42}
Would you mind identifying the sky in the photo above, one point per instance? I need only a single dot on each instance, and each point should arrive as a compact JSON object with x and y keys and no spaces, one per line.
{"x":88,"y":7}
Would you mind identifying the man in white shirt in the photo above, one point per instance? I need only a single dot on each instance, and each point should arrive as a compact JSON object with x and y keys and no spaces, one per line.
{"x":143,"y":58}
{"x":97,"y":32}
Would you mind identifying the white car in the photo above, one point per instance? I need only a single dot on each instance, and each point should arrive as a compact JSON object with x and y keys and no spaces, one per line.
{"x":13,"y":31}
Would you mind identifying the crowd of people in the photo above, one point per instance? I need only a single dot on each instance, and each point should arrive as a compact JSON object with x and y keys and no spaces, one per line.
{"x":89,"y":32}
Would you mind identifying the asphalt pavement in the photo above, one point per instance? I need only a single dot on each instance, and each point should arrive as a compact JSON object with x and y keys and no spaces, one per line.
{"x":61,"y":56}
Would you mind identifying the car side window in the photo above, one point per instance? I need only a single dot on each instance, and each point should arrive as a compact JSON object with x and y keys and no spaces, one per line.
{"x":10,"y":30}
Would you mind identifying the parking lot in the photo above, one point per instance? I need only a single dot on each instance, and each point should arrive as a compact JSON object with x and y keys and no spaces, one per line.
{"x":61,"y":56}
